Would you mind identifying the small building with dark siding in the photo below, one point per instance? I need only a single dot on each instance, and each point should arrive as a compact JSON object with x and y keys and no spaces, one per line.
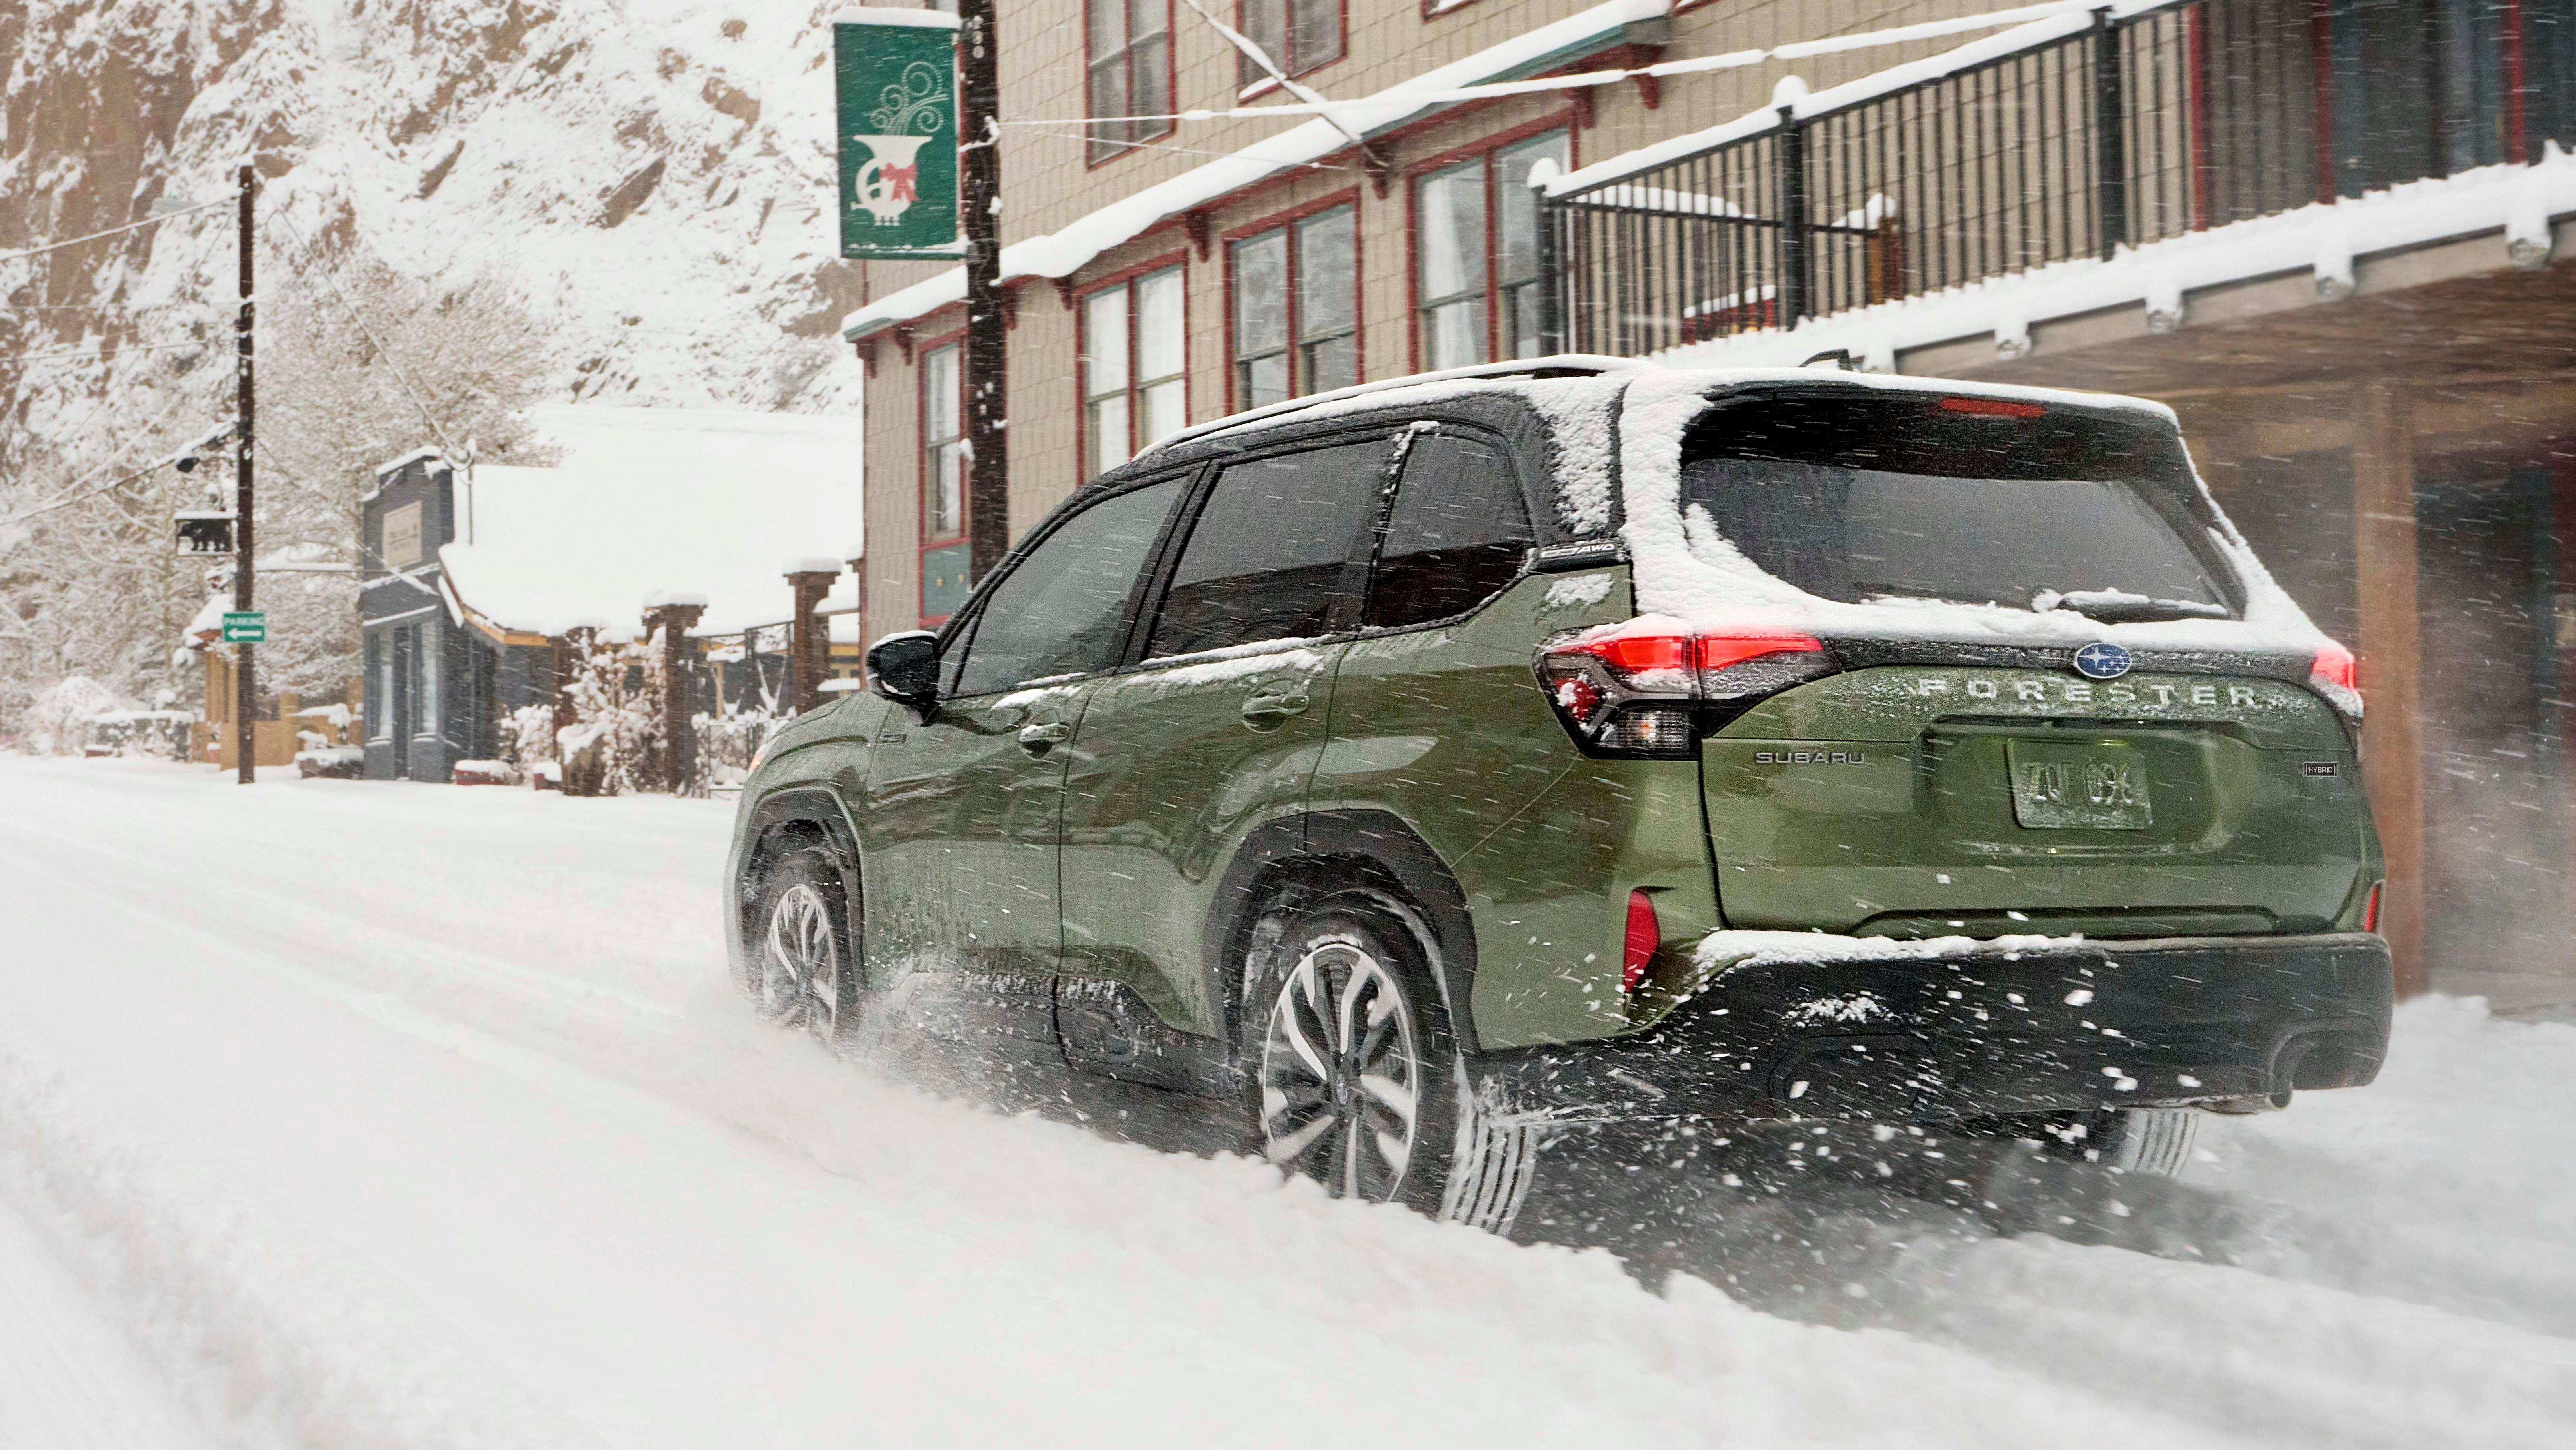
{"x":470,"y":584}
{"x":434,"y":687}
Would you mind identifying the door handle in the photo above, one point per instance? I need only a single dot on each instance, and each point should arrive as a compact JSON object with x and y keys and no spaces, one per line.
{"x":1264,"y":710}
{"x":1036,"y":738}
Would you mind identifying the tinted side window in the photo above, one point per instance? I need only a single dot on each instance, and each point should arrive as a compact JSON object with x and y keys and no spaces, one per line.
{"x":1062,"y":610}
{"x":1266,"y":559}
{"x":1458,"y":533}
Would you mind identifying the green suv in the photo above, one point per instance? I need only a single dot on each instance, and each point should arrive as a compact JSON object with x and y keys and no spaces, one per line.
{"x":1413,"y":774}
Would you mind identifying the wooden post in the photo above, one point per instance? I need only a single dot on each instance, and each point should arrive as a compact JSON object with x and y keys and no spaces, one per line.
{"x":679,"y":741}
{"x":2383,"y":523}
{"x":809,"y":641}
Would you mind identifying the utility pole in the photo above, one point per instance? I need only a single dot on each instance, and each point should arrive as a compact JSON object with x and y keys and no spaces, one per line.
{"x":245,"y":689}
{"x":988,"y":478}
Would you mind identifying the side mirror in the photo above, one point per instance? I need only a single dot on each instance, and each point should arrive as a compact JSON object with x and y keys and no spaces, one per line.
{"x":905,"y":667}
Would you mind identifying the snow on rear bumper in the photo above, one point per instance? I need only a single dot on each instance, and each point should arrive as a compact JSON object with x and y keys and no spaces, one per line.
{"x":1940,"y":1031}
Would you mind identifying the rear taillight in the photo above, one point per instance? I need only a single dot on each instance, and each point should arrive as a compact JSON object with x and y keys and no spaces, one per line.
{"x":2370,"y":906}
{"x":1643,"y":694}
{"x":1645,"y":938}
{"x":2335,"y":676}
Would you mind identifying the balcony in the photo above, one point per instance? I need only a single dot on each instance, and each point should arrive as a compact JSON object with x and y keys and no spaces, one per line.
{"x":2065,"y":139}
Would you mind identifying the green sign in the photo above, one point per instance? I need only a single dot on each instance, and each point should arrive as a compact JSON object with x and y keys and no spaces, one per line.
{"x":896,"y":73}
{"x":245,"y":626}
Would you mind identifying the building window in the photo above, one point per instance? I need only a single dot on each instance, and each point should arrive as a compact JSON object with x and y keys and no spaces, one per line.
{"x":424,"y":677}
{"x":945,"y":554}
{"x":1131,"y":72}
{"x":380,"y":691}
{"x":1133,"y":358}
{"x":1303,"y":338}
{"x":1298,"y":34}
{"x":1476,"y":259}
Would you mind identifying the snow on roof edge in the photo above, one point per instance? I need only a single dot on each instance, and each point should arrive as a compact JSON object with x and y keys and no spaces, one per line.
{"x":888,"y":15}
{"x":1066,"y":250}
{"x":414,"y":456}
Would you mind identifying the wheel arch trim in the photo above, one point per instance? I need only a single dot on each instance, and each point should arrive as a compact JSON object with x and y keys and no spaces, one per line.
{"x":775,"y":815}
{"x":1378,"y":836}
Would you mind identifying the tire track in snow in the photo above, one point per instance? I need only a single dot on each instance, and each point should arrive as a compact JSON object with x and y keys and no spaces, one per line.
{"x":299,"y":1345}
{"x":67,"y":1382}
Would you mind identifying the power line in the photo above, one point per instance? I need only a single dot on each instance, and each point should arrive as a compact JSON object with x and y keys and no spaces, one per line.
{"x":112,"y":231}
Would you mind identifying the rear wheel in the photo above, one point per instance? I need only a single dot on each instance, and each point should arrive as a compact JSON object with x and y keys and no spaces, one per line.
{"x":801,"y":972}
{"x":1354,"y":1070}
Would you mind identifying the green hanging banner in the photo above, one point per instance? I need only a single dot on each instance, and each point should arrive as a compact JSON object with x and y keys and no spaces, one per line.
{"x":896,"y":73}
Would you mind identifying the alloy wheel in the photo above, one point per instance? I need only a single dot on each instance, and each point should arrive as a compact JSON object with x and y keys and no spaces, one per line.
{"x":1341,"y":1074}
{"x":800,"y":965}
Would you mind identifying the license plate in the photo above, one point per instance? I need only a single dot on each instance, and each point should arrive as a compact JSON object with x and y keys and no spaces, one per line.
{"x":2094,"y":786}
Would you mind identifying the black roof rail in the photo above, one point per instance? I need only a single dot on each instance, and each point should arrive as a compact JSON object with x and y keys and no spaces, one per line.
{"x":1561,"y":365}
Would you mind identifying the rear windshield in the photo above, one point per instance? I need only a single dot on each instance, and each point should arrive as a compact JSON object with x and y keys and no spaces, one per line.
{"x":1916,"y":497}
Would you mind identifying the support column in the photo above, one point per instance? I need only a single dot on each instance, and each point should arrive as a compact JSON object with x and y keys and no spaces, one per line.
{"x":679,"y":760}
{"x":809,"y":641}
{"x":2383,"y":523}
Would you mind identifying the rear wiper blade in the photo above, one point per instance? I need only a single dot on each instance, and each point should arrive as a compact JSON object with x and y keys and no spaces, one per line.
{"x":2118,"y":606}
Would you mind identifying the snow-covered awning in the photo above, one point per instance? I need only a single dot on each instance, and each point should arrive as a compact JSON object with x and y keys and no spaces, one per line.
{"x":658,"y":506}
{"x":1061,"y":253}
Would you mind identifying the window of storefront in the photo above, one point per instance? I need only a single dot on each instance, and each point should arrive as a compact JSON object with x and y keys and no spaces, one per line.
{"x":1131,"y":72}
{"x":1298,"y":34}
{"x":1134,"y":351}
{"x":380,"y":691}
{"x":1296,"y":307}
{"x":424,"y":678}
{"x":1476,"y":254}
{"x":945,"y":554}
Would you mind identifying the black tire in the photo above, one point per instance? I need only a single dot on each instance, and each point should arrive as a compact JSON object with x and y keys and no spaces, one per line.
{"x":1349,"y":1062}
{"x":801,"y":959}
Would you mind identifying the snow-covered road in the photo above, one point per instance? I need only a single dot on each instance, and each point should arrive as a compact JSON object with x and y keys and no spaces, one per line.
{"x":351,"y":1116}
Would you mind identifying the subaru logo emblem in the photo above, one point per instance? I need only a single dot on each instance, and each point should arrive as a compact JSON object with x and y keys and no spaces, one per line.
{"x":2100,"y":661}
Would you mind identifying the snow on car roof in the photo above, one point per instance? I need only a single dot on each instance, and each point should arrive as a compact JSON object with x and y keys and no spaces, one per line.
{"x":658,"y":504}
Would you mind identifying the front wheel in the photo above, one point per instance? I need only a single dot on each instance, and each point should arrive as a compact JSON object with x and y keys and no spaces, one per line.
{"x":801,"y":972}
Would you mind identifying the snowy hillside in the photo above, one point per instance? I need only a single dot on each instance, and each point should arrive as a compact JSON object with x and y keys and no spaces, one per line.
{"x":651,"y":177}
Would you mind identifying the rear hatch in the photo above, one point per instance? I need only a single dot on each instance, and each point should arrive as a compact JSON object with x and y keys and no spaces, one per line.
{"x":1943,"y":781}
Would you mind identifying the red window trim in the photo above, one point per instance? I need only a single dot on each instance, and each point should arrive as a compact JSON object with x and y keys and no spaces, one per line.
{"x":1483,"y":147}
{"x":1178,"y":257}
{"x":1350,"y":197}
{"x":1171,"y":88}
{"x":922,"y":542}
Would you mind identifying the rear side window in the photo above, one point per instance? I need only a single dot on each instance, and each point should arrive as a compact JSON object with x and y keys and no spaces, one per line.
{"x":1965,"y":500}
{"x":1458,"y":534}
{"x":1270,"y":555}
{"x":1063,"y":609}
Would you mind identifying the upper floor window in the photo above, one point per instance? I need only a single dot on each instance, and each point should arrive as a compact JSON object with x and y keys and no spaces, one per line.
{"x":943,"y":446}
{"x":1134,"y":350}
{"x":1298,"y":34}
{"x":1131,"y":73}
{"x":1297,"y":308}
{"x":1476,"y":259}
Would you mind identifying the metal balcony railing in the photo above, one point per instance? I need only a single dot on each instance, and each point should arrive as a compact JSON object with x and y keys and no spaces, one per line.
{"x":2131,"y":129}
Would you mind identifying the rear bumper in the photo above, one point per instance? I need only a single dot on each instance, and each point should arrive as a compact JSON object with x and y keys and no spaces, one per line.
{"x":1991,"y":1030}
